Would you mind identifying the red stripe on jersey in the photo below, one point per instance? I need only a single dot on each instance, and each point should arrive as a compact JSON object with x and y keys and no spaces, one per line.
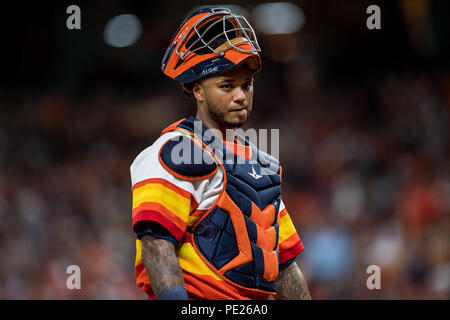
{"x":291,"y":252}
{"x":151,"y":215}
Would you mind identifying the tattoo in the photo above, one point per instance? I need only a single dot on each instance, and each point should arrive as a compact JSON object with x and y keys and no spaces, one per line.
{"x":161,"y":264}
{"x":292,"y":285}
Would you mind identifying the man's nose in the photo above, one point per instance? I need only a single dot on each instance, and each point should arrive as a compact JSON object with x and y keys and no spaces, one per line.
{"x":239,"y":96}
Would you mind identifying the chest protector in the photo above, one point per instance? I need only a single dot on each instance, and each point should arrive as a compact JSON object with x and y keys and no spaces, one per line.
{"x":238,"y":236}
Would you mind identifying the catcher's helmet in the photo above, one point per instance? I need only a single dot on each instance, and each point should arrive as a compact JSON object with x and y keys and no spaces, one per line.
{"x":210,"y":40}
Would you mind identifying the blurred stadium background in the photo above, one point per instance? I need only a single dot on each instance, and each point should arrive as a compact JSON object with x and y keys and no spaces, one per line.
{"x":364,"y":128}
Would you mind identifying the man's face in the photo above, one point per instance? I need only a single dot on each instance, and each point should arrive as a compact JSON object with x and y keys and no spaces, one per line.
{"x":226,"y":98}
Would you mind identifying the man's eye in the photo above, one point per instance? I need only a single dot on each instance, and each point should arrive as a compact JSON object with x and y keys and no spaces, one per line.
{"x":226,"y":86}
{"x":247,"y":86}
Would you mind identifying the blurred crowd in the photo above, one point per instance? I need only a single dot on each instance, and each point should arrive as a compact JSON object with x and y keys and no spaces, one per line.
{"x":365,"y":156}
{"x":364,"y":194}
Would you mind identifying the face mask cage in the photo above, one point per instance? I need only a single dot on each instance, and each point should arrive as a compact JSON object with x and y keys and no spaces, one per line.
{"x":218,"y":35}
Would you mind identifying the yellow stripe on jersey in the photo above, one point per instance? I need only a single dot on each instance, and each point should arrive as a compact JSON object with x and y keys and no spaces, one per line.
{"x":287,"y":228}
{"x":155,"y":192}
{"x":192,"y":220}
{"x":138,"y":252}
{"x":191,"y":262}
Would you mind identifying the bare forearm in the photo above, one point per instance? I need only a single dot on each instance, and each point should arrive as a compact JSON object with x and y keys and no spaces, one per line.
{"x":161,"y":264}
{"x":292,"y":284}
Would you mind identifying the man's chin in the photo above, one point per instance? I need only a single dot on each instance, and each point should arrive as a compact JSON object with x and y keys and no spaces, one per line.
{"x":234,"y":124}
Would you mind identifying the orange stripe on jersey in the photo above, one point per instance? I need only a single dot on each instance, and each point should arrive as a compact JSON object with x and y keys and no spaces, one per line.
{"x":283,"y":213}
{"x":289,"y":242}
{"x":291,"y":252}
{"x":154,"y":206}
{"x":169,"y":185}
{"x":160,"y":201}
{"x":156,"y":192}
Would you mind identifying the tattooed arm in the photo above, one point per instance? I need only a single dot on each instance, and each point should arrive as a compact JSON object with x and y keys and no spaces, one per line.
{"x":292,"y":285}
{"x":161,"y":264}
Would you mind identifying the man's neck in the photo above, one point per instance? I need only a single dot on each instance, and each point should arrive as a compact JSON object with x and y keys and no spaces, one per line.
{"x":211,"y":124}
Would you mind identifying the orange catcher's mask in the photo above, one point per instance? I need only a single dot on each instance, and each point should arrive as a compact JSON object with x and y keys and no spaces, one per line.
{"x":210,"y":40}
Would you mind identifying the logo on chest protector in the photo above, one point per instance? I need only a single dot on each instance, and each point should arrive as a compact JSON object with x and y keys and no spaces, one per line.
{"x":254,"y":174}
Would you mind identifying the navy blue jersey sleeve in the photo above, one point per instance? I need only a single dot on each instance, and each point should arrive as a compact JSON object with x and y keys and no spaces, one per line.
{"x":284,"y":265}
{"x":156,"y":230}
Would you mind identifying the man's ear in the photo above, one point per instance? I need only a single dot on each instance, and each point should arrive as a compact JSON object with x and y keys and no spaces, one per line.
{"x":197,"y":92}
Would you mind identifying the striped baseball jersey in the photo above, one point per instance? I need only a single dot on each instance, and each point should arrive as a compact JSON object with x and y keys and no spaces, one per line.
{"x":172,"y":205}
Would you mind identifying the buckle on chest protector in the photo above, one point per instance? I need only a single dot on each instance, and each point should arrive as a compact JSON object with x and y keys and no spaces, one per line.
{"x":204,"y":229}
